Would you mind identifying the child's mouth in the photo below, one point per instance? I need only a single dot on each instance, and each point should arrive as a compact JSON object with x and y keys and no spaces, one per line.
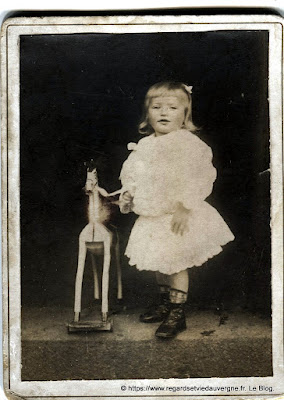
{"x":163,"y":121}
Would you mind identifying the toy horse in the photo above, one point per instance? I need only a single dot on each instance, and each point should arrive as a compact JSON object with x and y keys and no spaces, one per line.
{"x":97,"y":239}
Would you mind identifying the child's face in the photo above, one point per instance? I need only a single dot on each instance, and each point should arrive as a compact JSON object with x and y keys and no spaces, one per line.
{"x":166,"y":113}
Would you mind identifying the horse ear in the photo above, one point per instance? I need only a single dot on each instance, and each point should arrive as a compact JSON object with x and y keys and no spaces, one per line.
{"x":90,"y":165}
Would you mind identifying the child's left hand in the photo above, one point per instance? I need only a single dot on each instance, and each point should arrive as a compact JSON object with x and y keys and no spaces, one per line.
{"x":179,"y":223}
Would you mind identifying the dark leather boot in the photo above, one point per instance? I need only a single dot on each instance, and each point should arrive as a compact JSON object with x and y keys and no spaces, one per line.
{"x":158,"y":312}
{"x":174,"y":323}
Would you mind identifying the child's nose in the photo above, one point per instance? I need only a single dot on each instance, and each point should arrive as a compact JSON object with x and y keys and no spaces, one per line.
{"x":164,"y":110}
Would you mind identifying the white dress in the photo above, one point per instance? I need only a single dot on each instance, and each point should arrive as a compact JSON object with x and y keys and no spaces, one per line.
{"x":159,"y":172}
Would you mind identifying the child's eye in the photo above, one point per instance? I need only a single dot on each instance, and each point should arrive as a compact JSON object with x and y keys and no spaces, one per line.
{"x":173,"y":108}
{"x":155,"y":107}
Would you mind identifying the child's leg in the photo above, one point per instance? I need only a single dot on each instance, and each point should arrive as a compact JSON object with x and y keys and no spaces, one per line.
{"x":179,"y":281}
{"x":175,"y":321}
{"x":161,"y":310}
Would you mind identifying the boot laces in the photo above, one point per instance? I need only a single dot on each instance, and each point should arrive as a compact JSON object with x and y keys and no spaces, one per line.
{"x":174,"y":315}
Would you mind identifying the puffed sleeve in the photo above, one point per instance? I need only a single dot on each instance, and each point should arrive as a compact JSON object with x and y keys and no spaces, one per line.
{"x":127,"y":177}
{"x":197,"y":174}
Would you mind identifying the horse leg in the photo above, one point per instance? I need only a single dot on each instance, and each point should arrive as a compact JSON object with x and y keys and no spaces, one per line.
{"x":79,"y":279}
{"x":118,"y":268}
{"x":105,"y":278}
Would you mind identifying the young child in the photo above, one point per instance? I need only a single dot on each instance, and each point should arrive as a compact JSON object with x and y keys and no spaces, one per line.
{"x":165,"y":180}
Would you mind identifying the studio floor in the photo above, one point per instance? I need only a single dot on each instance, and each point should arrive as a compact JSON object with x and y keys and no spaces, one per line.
{"x":228,"y":345}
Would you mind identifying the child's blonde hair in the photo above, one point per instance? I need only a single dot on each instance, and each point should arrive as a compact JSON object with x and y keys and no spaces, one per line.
{"x":165,"y":89}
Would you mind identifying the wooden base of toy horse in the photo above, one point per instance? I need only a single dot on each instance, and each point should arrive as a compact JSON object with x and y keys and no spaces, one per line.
{"x":97,"y":240}
{"x":91,"y":325}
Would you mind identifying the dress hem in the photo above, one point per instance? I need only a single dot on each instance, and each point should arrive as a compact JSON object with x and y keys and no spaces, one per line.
{"x":198,"y":263}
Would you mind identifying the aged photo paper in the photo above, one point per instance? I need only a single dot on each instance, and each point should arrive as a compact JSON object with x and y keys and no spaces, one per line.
{"x":76,"y":145}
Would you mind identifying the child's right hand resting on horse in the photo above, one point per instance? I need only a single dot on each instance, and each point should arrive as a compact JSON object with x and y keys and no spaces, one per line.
{"x":125,"y":202}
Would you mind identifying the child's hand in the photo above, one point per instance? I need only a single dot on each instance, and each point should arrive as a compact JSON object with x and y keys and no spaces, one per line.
{"x":126,"y":202}
{"x":179,"y":223}
{"x":126,"y":197}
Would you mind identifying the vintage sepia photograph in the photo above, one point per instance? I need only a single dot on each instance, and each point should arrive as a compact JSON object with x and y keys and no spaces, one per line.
{"x":142,"y":206}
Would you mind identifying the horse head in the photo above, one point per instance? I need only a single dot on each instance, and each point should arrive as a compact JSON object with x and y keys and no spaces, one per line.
{"x":92,"y":176}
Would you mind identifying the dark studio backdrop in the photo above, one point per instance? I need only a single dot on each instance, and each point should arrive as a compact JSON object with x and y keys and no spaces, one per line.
{"x":81,"y":98}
